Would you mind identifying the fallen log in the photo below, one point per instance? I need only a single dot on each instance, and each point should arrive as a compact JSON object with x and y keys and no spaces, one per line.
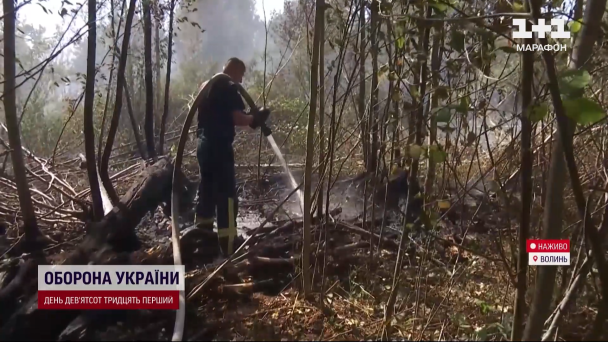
{"x":108,"y":241}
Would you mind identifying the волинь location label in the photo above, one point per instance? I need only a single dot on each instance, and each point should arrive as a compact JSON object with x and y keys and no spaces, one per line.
{"x":548,"y":252}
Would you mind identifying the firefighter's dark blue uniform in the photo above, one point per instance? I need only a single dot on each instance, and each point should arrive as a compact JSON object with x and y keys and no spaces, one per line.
{"x":216,"y":131}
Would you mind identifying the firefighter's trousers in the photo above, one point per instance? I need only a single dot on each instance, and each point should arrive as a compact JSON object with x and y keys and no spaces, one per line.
{"x":217,"y":190}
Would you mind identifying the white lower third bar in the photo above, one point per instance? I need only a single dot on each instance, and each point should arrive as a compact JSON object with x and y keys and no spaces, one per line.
{"x":549,"y":259}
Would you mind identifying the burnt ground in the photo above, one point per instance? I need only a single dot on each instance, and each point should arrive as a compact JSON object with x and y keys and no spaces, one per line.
{"x":453,"y":283}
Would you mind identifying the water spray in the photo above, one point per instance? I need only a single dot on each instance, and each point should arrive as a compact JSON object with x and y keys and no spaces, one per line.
{"x":268,"y":134}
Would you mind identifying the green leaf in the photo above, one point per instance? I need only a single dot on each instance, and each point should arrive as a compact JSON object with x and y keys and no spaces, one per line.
{"x":400,"y":42}
{"x":436,"y":154}
{"x":415,"y":151}
{"x":573,"y":80}
{"x":441,"y":7}
{"x":463,"y":107}
{"x":444,"y":115}
{"x":584,"y":111}
{"x":538,"y":112}
{"x":414,"y":92}
{"x":575,"y":26}
{"x":518,"y":7}
{"x":457,"y":40}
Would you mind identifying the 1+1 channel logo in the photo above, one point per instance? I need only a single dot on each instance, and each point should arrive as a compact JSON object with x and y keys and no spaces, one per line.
{"x":548,"y":252}
{"x":541,"y":29}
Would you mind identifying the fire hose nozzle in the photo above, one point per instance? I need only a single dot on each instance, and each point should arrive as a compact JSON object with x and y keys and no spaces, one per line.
{"x":265,"y":130}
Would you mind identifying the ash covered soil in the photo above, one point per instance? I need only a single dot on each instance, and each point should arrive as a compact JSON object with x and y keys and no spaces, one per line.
{"x":258,"y":200}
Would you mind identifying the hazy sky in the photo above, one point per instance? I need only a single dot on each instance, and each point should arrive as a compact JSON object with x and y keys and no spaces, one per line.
{"x":34,"y":14}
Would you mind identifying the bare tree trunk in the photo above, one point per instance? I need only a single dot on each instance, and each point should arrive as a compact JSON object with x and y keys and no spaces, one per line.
{"x":120,"y":80}
{"x":552,"y":220}
{"x":435,"y":69}
{"x":115,"y":34}
{"x":321,"y":114}
{"x":310,"y":151}
{"x":158,"y":91}
{"x":364,"y":128}
{"x":30,"y":226}
{"x":163,"y":121}
{"x":372,"y":155}
{"x":578,"y":15}
{"x":527,"y":81}
{"x":89,"y":101}
{"x":140,"y":146}
{"x":149,"y":119}
{"x":421,"y":83}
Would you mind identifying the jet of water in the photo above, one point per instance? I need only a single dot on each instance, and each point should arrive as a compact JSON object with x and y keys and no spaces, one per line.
{"x":294,"y":185}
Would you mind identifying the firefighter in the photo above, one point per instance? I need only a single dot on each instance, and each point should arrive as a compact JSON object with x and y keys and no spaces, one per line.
{"x":219,"y":112}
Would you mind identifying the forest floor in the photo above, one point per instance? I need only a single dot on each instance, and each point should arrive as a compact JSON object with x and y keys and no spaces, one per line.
{"x":455,"y":283}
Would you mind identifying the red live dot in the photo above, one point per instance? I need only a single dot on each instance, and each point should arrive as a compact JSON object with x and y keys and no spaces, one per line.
{"x":548,"y":246}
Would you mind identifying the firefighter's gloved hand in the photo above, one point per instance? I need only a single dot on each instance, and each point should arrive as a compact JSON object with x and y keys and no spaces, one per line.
{"x":260,"y":117}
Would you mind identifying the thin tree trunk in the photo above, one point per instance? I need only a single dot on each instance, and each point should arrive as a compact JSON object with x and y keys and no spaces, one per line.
{"x":30,"y":226}
{"x":578,"y":15}
{"x":435,"y":69}
{"x":310,"y":151}
{"x":421,"y":82}
{"x":372,"y":154}
{"x":89,"y":101}
{"x":149,"y":119}
{"x":527,"y":80}
{"x":163,"y":121}
{"x":158,"y":91}
{"x":140,"y":146}
{"x":120,"y":80}
{"x":361,"y":112}
{"x":321,"y":114}
{"x":115,"y":34}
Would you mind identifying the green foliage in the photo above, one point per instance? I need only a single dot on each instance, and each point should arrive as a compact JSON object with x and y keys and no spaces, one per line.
{"x":437,"y":154}
{"x":584,"y":111}
{"x":415,"y":151}
{"x":537,"y":112}
{"x":518,"y":7}
{"x":575,"y":26}
{"x":573,"y":81}
{"x":433,"y":152}
{"x":438,"y":5}
{"x":444,"y":115}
